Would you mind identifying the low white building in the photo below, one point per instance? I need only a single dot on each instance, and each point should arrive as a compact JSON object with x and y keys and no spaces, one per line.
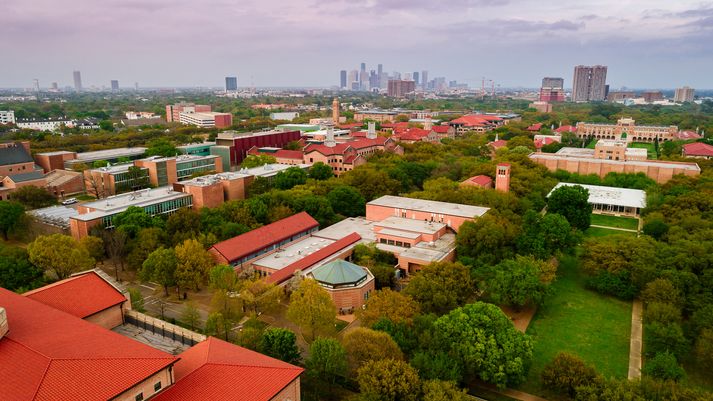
{"x":611,"y":200}
{"x":7,"y":117}
{"x":285,"y":116}
{"x":44,"y":124}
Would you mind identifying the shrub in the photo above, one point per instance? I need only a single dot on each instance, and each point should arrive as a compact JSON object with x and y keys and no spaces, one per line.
{"x":567,"y":372}
{"x":664,"y":366}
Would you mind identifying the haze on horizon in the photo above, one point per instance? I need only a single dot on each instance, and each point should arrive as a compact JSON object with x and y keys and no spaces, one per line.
{"x":162,"y":43}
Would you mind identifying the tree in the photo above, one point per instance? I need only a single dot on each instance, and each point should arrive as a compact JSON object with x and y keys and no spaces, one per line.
{"x":320,"y":171}
{"x":519,"y":282}
{"x":147,"y":240}
{"x":115,"y":244}
{"x":437,"y":365}
{"x":252,"y":161}
{"x":661,"y":290}
{"x":364,"y":345}
{"x":11,"y":214}
{"x":572,"y":202}
{"x":347,"y":201}
{"x":386,"y":304}
{"x":485,"y":342}
{"x":487,"y":240}
{"x":371,"y":183}
{"x":16,"y":271}
{"x":281,"y":344}
{"x":160,"y":267}
{"x":223,"y":277}
{"x":60,"y":254}
{"x":543,"y":236}
{"x":704,"y":348}
{"x":440,"y":287}
{"x":257,"y":296}
{"x":137,"y":299}
{"x":665,"y":337}
{"x":190,"y":315}
{"x":389,"y":380}
{"x":311,"y":308}
{"x":664,"y":366}
{"x":193,"y":264}
{"x":95,"y":247}
{"x":327,"y":360}
{"x":216,"y":326}
{"x":437,"y":390}
{"x":662,"y":313}
{"x":100,"y":163}
{"x":289,"y":178}
{"x":33,"y":197}
{"x":132,"y":220}
{"x":567,"y":372}
{"x":161,"y":147}
{"x":656,"y":228}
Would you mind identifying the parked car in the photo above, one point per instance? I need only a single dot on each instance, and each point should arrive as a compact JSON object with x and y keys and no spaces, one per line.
{"x":69,"y":201}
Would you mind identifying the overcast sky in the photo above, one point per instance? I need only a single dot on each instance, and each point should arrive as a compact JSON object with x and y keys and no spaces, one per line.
{"x":645,"y":43}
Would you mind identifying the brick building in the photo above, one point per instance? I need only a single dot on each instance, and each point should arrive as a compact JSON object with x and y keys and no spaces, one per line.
{"x":348,"y":284}
{"x":626,"y":129}
{"x":240,"y":143}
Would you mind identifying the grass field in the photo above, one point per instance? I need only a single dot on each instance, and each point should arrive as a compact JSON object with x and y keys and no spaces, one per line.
{"x":613,"y":221}
{"x":582,"y":322}
{"x":650,"y":149}
{"x":603,"y":232}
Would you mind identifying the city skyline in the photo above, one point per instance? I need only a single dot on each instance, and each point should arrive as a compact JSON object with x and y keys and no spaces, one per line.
{"x":524,"y":41}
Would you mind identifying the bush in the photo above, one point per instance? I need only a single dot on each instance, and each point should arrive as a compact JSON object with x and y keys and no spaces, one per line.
{"x":662,"y":337}
{"x":664,"y":366}
{"x":618,"y":285}
{"x":704,"y":348}
{"x":660,"y":312}
{"x":661,"y":290}
{"x":567,"y":372}
{"x":389,"y":379}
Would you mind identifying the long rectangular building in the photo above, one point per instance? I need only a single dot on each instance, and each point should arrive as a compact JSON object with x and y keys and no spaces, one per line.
{"x":625,"y":129}
{"x":239,"y":143}
{"x":611,"y":200}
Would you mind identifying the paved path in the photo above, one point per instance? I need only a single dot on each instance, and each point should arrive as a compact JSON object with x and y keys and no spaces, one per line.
{"x":518,"y":395}
{"x":636,"y":340}
{"x":614,"y":228}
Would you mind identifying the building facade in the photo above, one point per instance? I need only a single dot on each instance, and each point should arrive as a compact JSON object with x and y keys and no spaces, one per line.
{"x":684,"y":94}
{"x":208,"y":119}
{"x":174,"y":111}
{"x":589,"y":83}
{"x":400,"y":88}
{"x":7,"y":117}
{"x":231,"y":84}
{"x":239,"y":143}
{"x":626,"y":129}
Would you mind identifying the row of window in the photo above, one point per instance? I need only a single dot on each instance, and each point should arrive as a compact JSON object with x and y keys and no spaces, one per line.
{"x":156,"y":388}
{"x":272,"y":247}
{"x":393,"y":242}
{"x":167,"y":207}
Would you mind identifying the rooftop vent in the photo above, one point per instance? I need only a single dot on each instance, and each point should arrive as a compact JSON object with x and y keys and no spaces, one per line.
{"x":3,"y":323}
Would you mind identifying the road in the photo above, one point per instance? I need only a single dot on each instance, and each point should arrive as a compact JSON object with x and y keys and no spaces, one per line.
{"x":154,"y":300}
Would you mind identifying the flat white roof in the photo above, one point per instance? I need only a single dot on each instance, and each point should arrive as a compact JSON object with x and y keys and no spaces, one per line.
{"x":118,"y":203}
{"x":610,"y":195}
{"x":269,"y":170}
{"x":110,"y":153}
{"x":359,"y":225}
{"x":429,"y":206}
{"x":401,"y":224}
{"x":294,"y":252}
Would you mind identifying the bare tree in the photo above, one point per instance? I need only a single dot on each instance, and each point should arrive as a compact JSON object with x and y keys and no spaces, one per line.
{"x":115,"y":243}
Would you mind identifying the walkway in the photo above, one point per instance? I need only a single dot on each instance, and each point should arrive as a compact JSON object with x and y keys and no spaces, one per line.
{"x":636,"y":340}
{"x":614,"y":228}
{"x":518,"y":395}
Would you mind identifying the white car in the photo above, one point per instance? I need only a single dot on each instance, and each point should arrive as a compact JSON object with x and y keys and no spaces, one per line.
{"x":69,"y":201}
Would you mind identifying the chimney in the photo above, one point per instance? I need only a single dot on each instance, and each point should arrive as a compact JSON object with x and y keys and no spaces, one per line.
{"x":428,"y":124}
{"x":329,"y":140}
{"x":3,"y":323}
{"x":371,"y":133}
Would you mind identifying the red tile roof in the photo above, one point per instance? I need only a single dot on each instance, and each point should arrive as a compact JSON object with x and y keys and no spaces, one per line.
{"x":358,"y":134}
{"x":337,"y":149}
{"x":81,"y":295}
{"x":288,"y":271}
{"x":441,"y":129}
{"x":498,"y":144}
{"x":51,"y":355}
{"x":219,"y":371}
{"x":535,"y":127}
{"x":481,"y":180}
{"x":367,"y":143}
{"x":688,"y":135}
{"x":566,"y":128}
{"x":698,"y":149}
{"x":260,"y":238}
{"x":475,"y":120}
{"x":540,"y":142}
{"x":350,"y":126}
{"x":289,"y":154}
{"x":412,"y":134}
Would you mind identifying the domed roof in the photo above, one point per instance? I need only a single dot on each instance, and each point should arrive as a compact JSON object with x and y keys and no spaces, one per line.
{"x":339,"y":272}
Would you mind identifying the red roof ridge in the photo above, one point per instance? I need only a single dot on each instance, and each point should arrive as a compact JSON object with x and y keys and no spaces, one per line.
{"x":55,"y":284}
{"x":291,"y":367}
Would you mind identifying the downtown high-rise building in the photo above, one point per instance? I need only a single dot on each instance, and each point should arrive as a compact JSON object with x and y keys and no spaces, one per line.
{"x":353,"y":80}
{"x":231,"y":84}
{"x":589,"y":84}
{"x":400,"y":88}
{"x":77,"y":81}
{"x":416,"y":77}
{"x":114,"y":85}
{"x":36,"y":85}
{"x":424,"y":79}
{"x":343,"y":79}
{"x":684,"y":94}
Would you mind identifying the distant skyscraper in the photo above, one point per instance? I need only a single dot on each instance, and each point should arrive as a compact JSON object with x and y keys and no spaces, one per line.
{"x":363,"y":80}
{"x":399,"y":88}
{"x":231,"y":84}
{"x":589,"y":83}
{"x":363,"y":67}
{"x":54,"y":86}
{"x":136,"y":86}
{"x":408,"y":77}
{"x":373,"y":80}
{"x":343,"y":79}
{"x":77,"y":81}
{"x":415,"y":77}
{"x":424,"y":79}
{"x":684,"y":94}
{"x":114,"y":85}
{"x":353,"y":80}
{"x":36,"y":85}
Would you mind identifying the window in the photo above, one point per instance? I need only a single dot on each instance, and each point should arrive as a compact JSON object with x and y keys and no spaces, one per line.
{"x":157,"y":386}
{"x":139,"y":397}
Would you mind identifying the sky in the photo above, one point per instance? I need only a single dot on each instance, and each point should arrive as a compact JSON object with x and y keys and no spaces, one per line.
{"x":181,"y":43}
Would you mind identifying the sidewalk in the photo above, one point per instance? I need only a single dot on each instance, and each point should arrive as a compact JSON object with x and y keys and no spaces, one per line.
{"x":636,"y":340}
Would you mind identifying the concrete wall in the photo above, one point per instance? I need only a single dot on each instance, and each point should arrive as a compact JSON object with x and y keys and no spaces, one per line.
{"x":146,"y":387}
{"x":108,"y":318}
{"x":289,"y":393}
{"x":660,"y":173}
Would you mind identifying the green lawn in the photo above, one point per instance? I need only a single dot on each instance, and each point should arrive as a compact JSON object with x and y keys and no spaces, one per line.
{"x":603,"y":232}
{"x":613,"y":221}
{"x":650,"y":149}
{"x":576,"y":320}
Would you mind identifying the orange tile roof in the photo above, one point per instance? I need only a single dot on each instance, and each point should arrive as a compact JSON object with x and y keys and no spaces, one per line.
{"x":476,"y":120}
{"x":441,"y":129}
{"x":481,"y":180}
{"x":260,"y":238}
{"x":51,"y":355}
{"x":698,"y":149}
{"x":498,"y":144}
{"x":219,"y":371}
{"x":81,"y":295}
{"x":337,"y":149}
